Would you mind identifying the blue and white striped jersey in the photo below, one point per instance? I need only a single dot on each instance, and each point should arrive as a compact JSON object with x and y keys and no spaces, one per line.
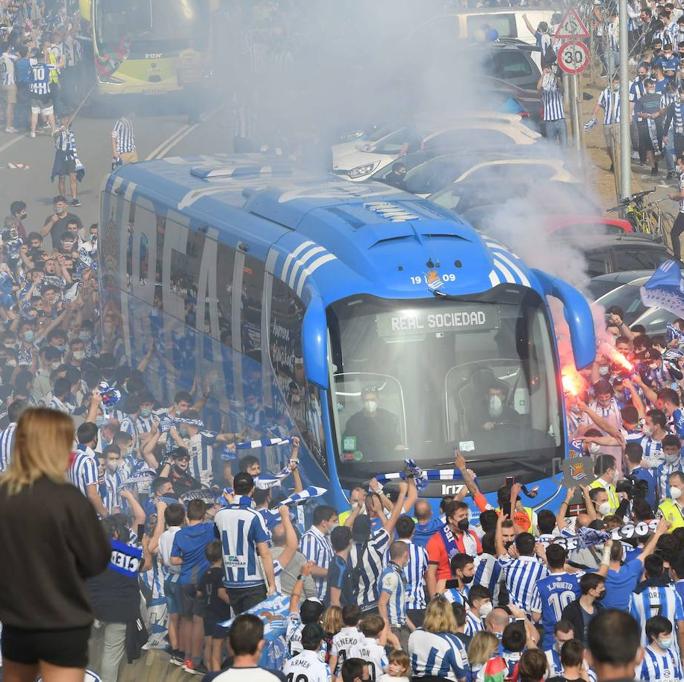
{"x":656,"y":600}
{"x":83,"y":470}
{"x":455,"y":596}
{"x":40,"y":78}
{"x":489,"y":574}
{"x":241,"y":529}
{"x":609,"y":101}
{"x":316,"y":547}
{"x":393,"y":584}
{"x":201,"y":449}
{"x":414,"y":571}
{"x":522,"y":575}
{"x":473,"y":624}
{"x":662,"y":474}
{"x":553,"y":660}
{"x":110,"y":491}
{"x":371,"y":560}
{"x":372,"y":652}
{"x":552,"y":104}
{"x":307,"y":666}
{"x":6,"y":445}
{"x":652,"y":449}
{"x":437,"y":655}
{"x":657,"y":667}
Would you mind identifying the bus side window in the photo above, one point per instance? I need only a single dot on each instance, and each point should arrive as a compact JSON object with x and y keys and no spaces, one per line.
{"x":252,"y":288}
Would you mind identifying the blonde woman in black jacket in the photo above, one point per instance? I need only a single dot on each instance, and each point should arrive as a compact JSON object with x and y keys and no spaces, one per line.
{"x":51,"y":542}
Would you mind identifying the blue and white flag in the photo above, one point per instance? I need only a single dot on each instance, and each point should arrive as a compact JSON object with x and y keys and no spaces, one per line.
{"x":125,"y":558}
{"x":261,"y":443}
{"x":665,"y":289}
{"x":309,"y":493}
{"x":264,"y":481}
{"x":421,"y":476}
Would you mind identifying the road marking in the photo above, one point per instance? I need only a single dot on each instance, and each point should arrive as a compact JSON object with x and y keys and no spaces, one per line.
{"x":8,"y":144}
{"x":167,"y":145}
{"x":156,"y":152}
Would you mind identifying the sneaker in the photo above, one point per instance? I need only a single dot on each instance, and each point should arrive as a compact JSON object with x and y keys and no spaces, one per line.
{"x":187,"y":665}
{"x":11,"y":130}
{"x":33,"y":133}
{"x":671,"y":174}
{"x":75,"y":202}
{"x":654,"y":172}
{"x":177,"y":658}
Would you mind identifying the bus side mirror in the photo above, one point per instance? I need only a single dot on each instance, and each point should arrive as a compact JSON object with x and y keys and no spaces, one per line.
{"x":315,"y":343}
{"x":577,"y":315}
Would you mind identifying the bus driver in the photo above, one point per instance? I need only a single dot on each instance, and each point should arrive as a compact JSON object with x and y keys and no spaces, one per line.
{"x":374,"y":429}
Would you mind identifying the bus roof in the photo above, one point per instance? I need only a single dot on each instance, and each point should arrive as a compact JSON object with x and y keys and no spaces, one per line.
{"x":322,"y":235}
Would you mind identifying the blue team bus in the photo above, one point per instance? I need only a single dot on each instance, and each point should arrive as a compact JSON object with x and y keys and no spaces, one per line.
{"x":374,"y":324}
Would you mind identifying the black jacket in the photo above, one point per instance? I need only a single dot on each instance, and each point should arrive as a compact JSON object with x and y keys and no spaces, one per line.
{"x":51,"y":542}
{"x":573,"y":613}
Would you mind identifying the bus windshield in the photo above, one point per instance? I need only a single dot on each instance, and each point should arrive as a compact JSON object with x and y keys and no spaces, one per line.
{"x":420,"y":379}
{"x":150,"y":26}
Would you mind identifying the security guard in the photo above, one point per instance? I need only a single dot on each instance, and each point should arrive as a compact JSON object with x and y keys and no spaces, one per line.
{"x":605,"y":469}
{"x":671,"y":508}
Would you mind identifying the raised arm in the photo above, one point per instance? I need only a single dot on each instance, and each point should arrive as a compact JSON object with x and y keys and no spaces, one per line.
{"x":389,"y":524}
{"x":290,"y":537}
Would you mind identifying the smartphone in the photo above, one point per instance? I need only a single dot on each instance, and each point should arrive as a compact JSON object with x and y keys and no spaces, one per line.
{"x":510,"y":480}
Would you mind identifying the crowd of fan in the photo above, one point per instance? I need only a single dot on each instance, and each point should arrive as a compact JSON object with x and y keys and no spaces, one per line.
{"x":40,"y":58}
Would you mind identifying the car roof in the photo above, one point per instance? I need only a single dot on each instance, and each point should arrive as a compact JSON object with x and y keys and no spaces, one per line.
{"x":561,"y":173}
{"x":624,"y":277}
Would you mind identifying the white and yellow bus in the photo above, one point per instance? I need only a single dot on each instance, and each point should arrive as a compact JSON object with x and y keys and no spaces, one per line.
{"x":148,"y":47}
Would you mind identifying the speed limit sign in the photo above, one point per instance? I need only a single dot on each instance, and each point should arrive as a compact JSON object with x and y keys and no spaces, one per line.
{"x":573,"y":57}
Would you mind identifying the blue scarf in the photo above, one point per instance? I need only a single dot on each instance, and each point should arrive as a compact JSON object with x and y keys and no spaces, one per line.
{"x":449,"y":541}
{"x":125,"y":559}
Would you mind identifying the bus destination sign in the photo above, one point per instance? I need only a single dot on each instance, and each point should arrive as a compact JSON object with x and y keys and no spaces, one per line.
{"x":417,"y":321}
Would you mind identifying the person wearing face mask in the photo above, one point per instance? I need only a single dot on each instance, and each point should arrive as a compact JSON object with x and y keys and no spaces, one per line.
{"x":479,"y":606}
{"x":638,"y":471}
{"x":200,"y":444}
{"x":110,"y":488}
{"x":654,"y":432}
{"x":49,"y":361}
{"x":373,"y":431}
{"x":414,"y":571}
{"x":177,"y":470}
{"x":495,"y":412}
{"x":672,"y":508}
{"x":315,"y":545}
{"x":456,"y":588}
{"x":605,"y":470}
{"x":672,"y":462}
{"x":454,"y":538}
{"x":661,"y":661}
{"x":580,"y":612}
{"x":657,"y":595}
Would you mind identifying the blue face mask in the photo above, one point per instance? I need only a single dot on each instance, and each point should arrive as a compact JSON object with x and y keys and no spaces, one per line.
{"x":665,"y":643}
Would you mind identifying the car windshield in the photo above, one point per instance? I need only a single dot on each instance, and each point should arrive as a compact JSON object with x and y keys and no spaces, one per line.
{"x":551,"y":198}
{"x":626,"y":297}
{"x":421,"y":378}
{"x":655,"y":320}
{"x":150,"y":26}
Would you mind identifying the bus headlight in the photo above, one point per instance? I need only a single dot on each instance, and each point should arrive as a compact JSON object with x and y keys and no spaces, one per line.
{"x":360,"y":171}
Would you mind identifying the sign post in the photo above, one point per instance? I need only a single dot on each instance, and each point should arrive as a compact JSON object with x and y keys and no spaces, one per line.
{"x":573,"y":58}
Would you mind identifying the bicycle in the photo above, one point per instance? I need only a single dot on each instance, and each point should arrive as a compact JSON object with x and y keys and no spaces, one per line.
{"x":646,"y":217}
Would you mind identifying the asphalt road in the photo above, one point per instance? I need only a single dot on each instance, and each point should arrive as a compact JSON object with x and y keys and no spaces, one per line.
{"x":156,"y":136}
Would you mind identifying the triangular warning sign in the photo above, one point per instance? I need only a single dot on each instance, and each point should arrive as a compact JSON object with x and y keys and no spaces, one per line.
{"x":571,"y":26}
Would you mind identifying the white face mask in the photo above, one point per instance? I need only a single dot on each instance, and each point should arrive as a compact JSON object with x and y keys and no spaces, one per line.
{"x":594,"y":448}
{"x":485,"y":609}
{"x":495,"y":406}
{"x":604,"y":508}
{"x":675,"y":492}
{"x":370,"y":405}
{"x":604,"y":370}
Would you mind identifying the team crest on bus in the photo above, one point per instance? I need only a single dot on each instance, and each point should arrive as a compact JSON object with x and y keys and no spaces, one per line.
{"x":434,"y":281}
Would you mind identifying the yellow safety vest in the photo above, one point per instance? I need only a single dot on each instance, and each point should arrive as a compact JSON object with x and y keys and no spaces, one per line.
{"x":613,"y":499}
{"x":671,"y":511}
